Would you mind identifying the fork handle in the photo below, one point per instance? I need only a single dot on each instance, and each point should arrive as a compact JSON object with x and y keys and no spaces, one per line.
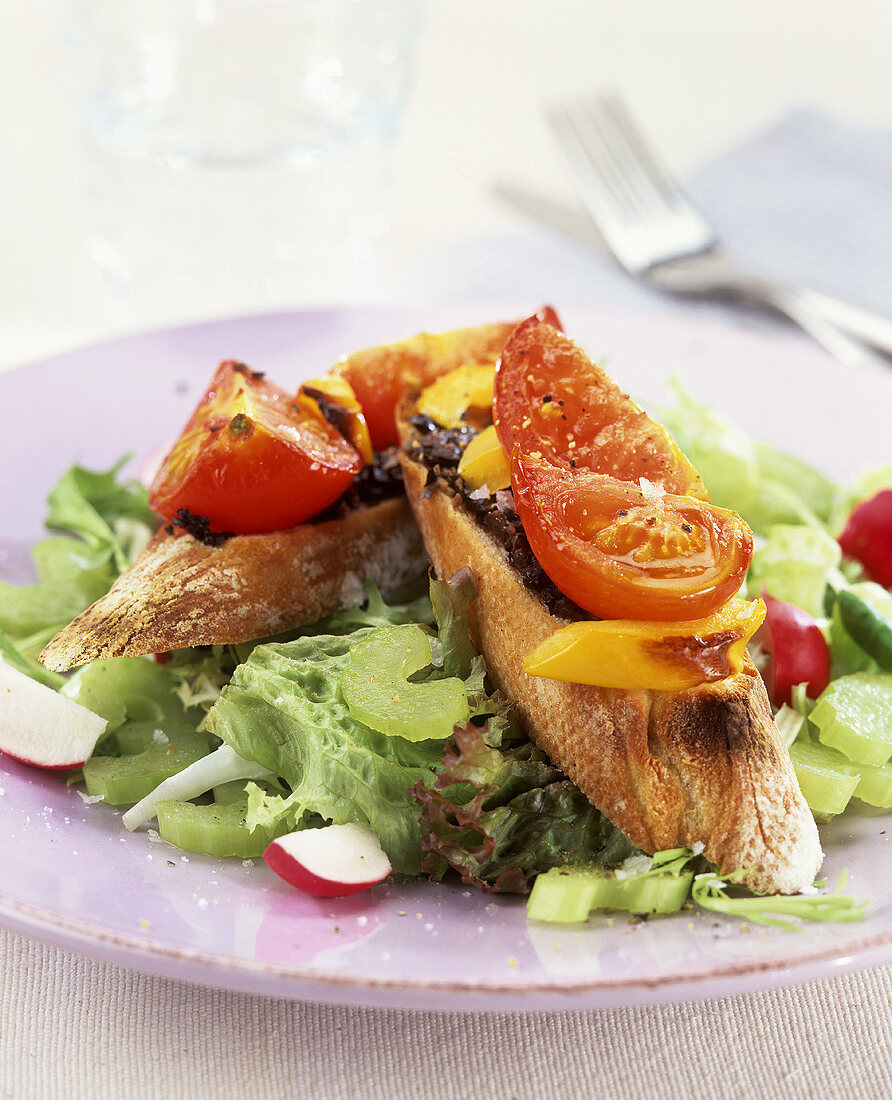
{"x":869,"y":327}
{"x":817,"y":315}
{"x":798,"y":308}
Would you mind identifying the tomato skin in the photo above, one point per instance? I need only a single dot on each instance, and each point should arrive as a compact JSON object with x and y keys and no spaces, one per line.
{"x":867,"y":537}
{"x":380,"y":376}
{"x":249,"y":461}
{"x":798,"y":651}
{"x":623,"y":554}
{"x":551,"y":399}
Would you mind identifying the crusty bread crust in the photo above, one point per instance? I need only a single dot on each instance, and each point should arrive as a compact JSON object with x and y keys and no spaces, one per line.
{"x":182,"y":593}
{"x":669,"y":769}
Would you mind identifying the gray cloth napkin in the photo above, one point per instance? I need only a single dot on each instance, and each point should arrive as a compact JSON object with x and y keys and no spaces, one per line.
{"x":808,"y":200}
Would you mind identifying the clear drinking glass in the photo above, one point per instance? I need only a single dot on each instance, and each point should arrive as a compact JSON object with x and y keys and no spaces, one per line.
{"x":238,"y":151}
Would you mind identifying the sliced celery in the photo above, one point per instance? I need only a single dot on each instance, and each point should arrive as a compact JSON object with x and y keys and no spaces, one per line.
{"x":827,"y":780}
{"x":233,"y":791}
{"x":565,"y":895}
{"x":120,"y":779}
{"x":875,"y":787}
{"x":214,"y":829}
{"x":378,"y":693}
{"x":854,"y":715}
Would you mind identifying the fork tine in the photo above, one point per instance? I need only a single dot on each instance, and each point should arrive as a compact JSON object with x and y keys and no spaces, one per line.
{"x":591,"y":161}
{"x":642,"y":214}
{"x":625,"y":171}
{"x":641,"y":154}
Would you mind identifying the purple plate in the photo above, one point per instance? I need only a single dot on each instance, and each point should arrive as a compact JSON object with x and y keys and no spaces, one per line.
{"x":74,"y":877}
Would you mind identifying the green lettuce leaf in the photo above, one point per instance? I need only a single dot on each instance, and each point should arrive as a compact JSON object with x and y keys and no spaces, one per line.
{"x":112,"y":517}
{"x":20,"y":659}
{"x":450,"y":601}
{"x":111,"y":522}
{"x":31,"y":614}
{"x":796,"y":563}
{"x":500,"y":818}
{"x":284,"y":709}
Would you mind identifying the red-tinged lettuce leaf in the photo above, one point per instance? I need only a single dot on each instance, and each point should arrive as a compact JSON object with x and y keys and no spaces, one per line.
{"x":500,"y":818}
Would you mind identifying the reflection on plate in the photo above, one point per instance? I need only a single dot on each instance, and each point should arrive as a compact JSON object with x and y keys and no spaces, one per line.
{"x":73,"y":876}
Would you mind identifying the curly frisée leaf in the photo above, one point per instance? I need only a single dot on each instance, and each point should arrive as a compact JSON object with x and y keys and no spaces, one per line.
{"x":709,"y":891}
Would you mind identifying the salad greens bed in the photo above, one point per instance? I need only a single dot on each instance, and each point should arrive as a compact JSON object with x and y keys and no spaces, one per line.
{"x":383,"y":715}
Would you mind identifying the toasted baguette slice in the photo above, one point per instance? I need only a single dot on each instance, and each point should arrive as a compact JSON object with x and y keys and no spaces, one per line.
{"x":182,"y":593}
{"x":701,"y":766}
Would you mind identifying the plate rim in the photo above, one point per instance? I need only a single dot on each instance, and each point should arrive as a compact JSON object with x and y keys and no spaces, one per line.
{"x":295,"y":982}
{"x":299,"y":983}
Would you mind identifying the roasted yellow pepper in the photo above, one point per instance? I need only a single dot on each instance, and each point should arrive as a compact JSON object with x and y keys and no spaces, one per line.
{"x":484,"y":462}
{"x":344,"y":410}
{"x":449,"y":400}
{"x":661,"y":656}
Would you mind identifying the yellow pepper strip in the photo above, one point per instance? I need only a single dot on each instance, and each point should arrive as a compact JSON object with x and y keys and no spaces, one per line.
{"x":339,"y":396}
{"x":626,"y":653}
{"x":485,"y":462}
{"x":449,"y":399}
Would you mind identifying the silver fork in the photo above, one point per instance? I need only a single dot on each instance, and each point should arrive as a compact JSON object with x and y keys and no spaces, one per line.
{"x":656,"y":233}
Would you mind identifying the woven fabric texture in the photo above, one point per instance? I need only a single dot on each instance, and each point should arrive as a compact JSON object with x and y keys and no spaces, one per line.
{"x":78,"y":1029}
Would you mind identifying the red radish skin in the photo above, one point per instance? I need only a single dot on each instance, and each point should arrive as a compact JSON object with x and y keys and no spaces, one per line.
{"x":798,"y":649}
{"x":43,"y":728}
{"x":331,"y":862}
{"x":867,"y":537}
{"x":46,"y":767}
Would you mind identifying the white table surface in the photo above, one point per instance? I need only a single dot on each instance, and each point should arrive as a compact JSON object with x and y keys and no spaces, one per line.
{"x":703,"y":76}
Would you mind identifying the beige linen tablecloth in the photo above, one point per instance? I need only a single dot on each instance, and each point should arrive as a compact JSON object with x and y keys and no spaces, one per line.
{"x":82,"y":1030}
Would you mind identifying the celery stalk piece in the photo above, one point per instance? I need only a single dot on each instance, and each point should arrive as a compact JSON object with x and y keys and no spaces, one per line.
{"x":378,"y":693}
{"x":565,"y":895}
{"x":119,"y":780}
{"x":854,"y":715}
{"x":826,"y":778}
{"x":219,"y":767}
{"x":875,"y":787}
{"x":215,"y":830}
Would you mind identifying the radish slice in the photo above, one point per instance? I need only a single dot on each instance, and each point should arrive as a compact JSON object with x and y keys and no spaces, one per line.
{"x":41,"y":727}
{"x":330,"y":862}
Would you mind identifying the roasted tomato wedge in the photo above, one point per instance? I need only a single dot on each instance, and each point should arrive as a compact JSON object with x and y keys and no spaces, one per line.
{"x":381,"y":375}
{"x":621,"y":553}
{"x":250,"y":461}
{"x":551,"y":399}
